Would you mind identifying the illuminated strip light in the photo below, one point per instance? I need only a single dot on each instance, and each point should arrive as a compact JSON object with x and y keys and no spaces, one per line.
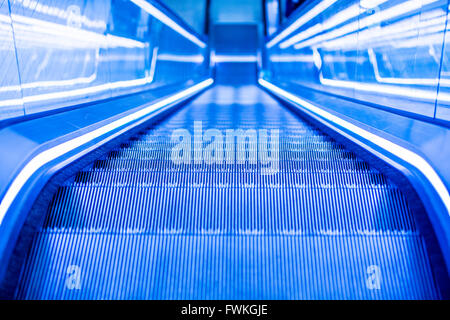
{"x":332,"y":59}
{"x":59,"y":13}
{"x":11,"y":102}
{"x":93,"y":89}
{"x":234,"y":58}
{"x":53,"y":153}
{"x":124,"y":57}
{"x":406,"y":155}
{"x":40,"y":28}
{"x":35,"y":30}
{"x":57,"y":95}
{"x":370,"y":4}
{"x":130,"y":83}
{"x":78,"y":92}
{"x":55,"y":83}
{"x":6,"y":19}
{"x":339,"y":18}
{"x":384,"y":15}
{"x":81,"y":80}
{"x":311,"y":14}
{"x":144,"y":5}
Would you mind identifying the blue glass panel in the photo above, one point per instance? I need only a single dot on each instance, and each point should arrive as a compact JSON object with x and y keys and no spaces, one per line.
{"x":10,"y":92}
{"x":379,"y":51}
{"x":177,"y":58}
{"x":309,"y":55}
{"x":191,"y":11}
{"x":178,"y":62}
{"x":75,"y":51}
{"x":60,"y":48}
{"x":337,"y":60}
{"x":144,"y":53}
{"x":400,"y":54}
{"x":129,"y":51}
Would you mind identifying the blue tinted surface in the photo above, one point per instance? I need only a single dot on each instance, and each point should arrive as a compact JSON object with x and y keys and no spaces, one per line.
{"x":75,"y":51}
{"x":10,"y":93}
{"x":443,"y":103}
{"x":235,"y":53}
{"x":383,"y":52}
{"x":61,"y":47}
{"x":192,"y":11}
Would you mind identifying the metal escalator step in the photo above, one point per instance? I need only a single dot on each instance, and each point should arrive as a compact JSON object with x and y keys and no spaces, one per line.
{"x":231,"y":210}
{"x":291,"y":165}
{"x":231,"y":178}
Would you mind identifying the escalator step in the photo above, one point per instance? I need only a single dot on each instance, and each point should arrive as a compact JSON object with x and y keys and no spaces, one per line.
{"x":164,"y":266}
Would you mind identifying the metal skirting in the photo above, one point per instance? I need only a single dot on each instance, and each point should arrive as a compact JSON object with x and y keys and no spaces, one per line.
{"x":136,"y":225}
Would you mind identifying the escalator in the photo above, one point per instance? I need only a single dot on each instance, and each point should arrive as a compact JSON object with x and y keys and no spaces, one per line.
{"x":232,"y":196}
{"x":136,"y":225}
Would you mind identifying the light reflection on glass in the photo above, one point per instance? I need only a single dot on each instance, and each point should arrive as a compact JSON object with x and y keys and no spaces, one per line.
{"x":11,"y":104}
{"x":384,"y":52}
{"x":74,"y":51}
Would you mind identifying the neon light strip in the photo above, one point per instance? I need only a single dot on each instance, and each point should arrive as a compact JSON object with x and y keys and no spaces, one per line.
{"x":322,"y":6}
{"x":55,"y":83}
{"x":194,"y":58}
{"x":406,"y":155}
{"x":51,"y":154}
{"x":144,"y":5}
{"x":78,"y":92}
{"x":371,"y":4}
